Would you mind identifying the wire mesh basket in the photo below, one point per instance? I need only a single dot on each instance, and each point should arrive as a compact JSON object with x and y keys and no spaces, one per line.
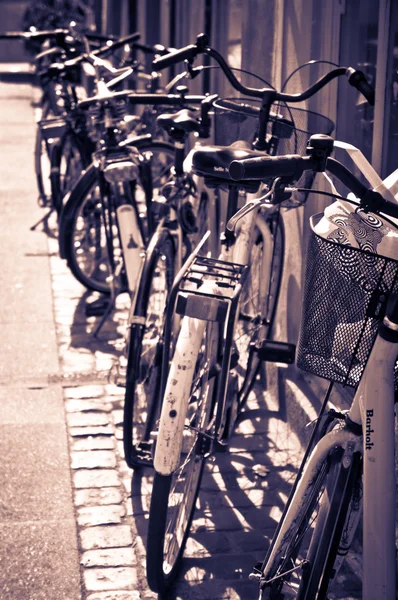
{"x":345,"y":295}
{"x":237,"y":119}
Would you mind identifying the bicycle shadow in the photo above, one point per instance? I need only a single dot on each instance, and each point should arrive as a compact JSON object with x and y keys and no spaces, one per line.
{"x":244,"y":491}
{"x":110,"y":338}
{"x":242,"y":496}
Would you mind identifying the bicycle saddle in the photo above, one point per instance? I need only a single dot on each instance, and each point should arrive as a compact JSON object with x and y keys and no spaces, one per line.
{"x":184,"y":120}
{"x":214,"y":161}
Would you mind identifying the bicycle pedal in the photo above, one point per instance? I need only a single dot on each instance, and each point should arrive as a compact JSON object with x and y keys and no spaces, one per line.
{"x":256,"y":573}
{"x":277,"y":352}
{"x":97,"y":308}
{"x":143,"y":454}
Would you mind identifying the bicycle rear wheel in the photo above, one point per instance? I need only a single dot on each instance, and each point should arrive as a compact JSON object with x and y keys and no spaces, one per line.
{"x":86,"y":248}
{"x":42,"y":158}
{"x":142,"y":403}
{"x":174,"y":496}
{"x":257,"y":311}
{"x":85,"y":232}
{"x":307,"y":567}
{"x":67,"y":163}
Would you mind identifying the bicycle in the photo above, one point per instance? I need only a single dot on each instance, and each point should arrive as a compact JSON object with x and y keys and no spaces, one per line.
{"x":58,"y":90}
{"x":348,"y":467}
{"x":62,"y":143}
{"x":89,"y":240}
{"x":201,"y":389}
{"x":183,"y":211}
{"x":141,"y":406}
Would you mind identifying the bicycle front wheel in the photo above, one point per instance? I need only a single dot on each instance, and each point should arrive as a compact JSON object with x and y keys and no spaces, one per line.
{"x":141,"y":404}
{"x":174,"y":496}
{"x":259,"y":299}
{"x":307,"y":567}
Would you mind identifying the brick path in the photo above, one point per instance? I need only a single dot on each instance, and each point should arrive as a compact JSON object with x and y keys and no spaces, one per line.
{"x":242,"y":495}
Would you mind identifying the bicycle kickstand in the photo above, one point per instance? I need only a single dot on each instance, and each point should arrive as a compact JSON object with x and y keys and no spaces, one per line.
{"x":43,"y":220}
{"x":111,"y":304}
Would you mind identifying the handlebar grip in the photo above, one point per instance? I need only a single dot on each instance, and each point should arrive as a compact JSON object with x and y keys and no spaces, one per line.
{"x":263,"y":167}
{"x":187,"y":53}
{"x":359,"y":81}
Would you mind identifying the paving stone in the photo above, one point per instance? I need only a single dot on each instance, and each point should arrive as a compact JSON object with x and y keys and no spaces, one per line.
{"x":253,"y":497}
{"x":114,"y":390}
{"x":113,"y":536}
{"x":208,"y":544}
{"x":96,"y":496}
{"x":111,"y":578}
{"x":86,"y":478}
{"x":90,"y":431}
{"x":111,"y":557}
{"x":235,"y":519}
{"x":92,"y":443}
{"x":87,"y":419}
{"x":93,"y":460}
{"x":89,"y":516}
{"x":119,"y":433}
{"x":117,"y":417}
{"x":84,"y":405}
{"x":117,"y":595}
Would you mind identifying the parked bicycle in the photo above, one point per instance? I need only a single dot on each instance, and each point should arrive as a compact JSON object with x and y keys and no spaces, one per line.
{"x":349,"y":335}
{"x":204,"y":392}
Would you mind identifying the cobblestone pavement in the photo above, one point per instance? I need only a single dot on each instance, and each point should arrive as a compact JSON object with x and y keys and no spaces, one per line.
{"x":243,"y":491}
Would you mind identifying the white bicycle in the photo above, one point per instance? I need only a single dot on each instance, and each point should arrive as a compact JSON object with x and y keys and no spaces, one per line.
{"x":349,"y":335}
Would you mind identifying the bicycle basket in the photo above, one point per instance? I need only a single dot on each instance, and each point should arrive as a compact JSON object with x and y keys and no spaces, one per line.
{"x":237,"y":119}
{"x":345,"y":294}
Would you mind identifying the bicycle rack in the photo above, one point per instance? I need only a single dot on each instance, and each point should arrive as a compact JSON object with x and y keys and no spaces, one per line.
{"x":188,"y":299}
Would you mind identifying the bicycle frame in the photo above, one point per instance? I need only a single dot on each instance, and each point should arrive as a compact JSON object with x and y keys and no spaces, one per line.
{"x":373,"y":410}
{"x":176,"y":392}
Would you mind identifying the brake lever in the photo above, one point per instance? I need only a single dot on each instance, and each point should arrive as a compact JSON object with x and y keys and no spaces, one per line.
{"x":276,"y":195}
{"x":248,"y":208}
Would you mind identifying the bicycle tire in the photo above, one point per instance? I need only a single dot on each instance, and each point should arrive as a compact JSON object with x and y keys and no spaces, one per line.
{"x":90,"y":263}
{"x":141,"y":403}
{"x":312,"y":550}
{"x":256,"y":317}
{"x":328,"y":530}
{"x":42,"y":158}
{"x":174,"y":496}
{"x":67,"y":163}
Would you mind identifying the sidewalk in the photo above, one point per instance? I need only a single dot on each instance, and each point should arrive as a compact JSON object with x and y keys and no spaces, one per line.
{"x":38,"y":543}
{"x":68,"y":497}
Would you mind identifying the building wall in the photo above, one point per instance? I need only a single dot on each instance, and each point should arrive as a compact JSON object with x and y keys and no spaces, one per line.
{"x":11,"y":12}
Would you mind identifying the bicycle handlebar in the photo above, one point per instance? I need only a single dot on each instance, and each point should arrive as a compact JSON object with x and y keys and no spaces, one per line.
{"x":265,"y":167}
{"x":91,"y":57}
{"x":137,"y":98}
{"x":128,"y":39}
{"x":292,"y":166}
{"x":42,"y":35}
{"x":156,"y":49}
{"x":355,"y":78}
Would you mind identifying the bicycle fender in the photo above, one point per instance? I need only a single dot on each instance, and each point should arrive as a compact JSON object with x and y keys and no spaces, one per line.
{"x":151,"y":254}
{"x":175,"y":402}
{"x":76,"y":195}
